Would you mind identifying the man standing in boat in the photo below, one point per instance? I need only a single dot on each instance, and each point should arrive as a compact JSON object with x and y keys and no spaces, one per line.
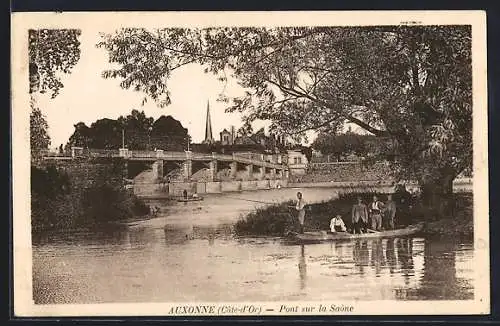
{"x":359,"y":217}
{"x":301,"y":209}
{"x":375,"y":211}
{"x":390,"y":213}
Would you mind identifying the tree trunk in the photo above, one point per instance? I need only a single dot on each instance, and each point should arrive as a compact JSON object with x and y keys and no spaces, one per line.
{"x":437,"y":195}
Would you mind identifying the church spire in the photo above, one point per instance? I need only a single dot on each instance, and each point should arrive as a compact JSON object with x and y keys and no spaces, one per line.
{"x":208,"y":128}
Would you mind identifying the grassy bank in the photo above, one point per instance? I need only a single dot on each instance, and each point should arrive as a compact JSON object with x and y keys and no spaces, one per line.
{"x":279,"y":219}
{"x":460,"y":226}
{"x":58,"y":204}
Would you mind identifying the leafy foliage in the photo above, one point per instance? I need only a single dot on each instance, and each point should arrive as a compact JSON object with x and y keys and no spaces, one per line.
{"x":141,"y":132}
{"x":39,"y":137}
{"x":58,"y":203}
{"x":343,"y":144}
{"x":277,"y":220}
{"x":410,"y":84}
{"x":51,"y":51}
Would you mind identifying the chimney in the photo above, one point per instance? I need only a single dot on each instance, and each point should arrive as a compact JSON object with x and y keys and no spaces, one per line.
{"x":233,"y":135}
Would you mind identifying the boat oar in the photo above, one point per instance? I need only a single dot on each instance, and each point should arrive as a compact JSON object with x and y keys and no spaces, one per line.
{"x":372,"y":231}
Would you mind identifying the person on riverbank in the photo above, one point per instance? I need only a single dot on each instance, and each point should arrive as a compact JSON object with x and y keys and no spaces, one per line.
{"x":337,"y":224}
{"x":300,"y":206}
{"x":375,"y":210}
{"x":389,"y":213}
{"x":154,"y":210}
{"x":359,"y":217}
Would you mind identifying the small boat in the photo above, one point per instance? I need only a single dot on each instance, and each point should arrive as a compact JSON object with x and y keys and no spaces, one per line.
{"x":189,"y":199}
{"x":324,"y":236}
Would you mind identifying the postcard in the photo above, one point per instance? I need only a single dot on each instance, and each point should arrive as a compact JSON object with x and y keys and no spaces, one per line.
{"x":250,"y":163}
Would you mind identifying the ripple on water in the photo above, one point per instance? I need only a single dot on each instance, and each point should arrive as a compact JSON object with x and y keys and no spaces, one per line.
{"x":143,"y":264}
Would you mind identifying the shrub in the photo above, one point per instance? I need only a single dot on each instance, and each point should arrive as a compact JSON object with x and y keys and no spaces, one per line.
{"x":57,"y":205}
{"x":277,"y":220}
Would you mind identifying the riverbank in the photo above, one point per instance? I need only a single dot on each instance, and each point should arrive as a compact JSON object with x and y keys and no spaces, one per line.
{"x":156,"y":262}
{"x":60,"y":202}
{"x":279,"y":219}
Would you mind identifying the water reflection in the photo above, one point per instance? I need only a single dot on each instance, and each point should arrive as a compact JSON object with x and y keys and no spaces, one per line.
{"x":405,"y":257}
{"x":177,"y":235}
{"x":132,"y":265}
{"x":377,"y":256}
{"x":361,"y":256}
{"x":390,"y":255}
{"x":302,"y":268}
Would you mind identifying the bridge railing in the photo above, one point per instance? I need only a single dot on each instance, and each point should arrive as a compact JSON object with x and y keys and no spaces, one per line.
{"x":156,"y":154}
{"x":256,"y":159}
{"x":101,"y":152}
{"x":47,"y":153}
{"x":203,"y":156}
{"x":224,"y":157}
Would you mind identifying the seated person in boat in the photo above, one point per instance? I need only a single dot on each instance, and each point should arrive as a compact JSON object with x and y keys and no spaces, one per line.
{"x":337,"y":224}
{"x":195,"y":195}
{"x":375,"y":209}
{"x":359,"y":217}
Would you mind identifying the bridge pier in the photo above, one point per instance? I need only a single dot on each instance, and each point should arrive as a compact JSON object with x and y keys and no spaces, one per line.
{"x":273,"y":174}
{"x":233,"y":168}
{"x":125,"y":169}
{"x":249,"y":171}
{"x":262,"y":172}
{"x":188,"y":165}
{"x":213,"y":170}
{"x":158,"y":169}
{"x":187,"y":169}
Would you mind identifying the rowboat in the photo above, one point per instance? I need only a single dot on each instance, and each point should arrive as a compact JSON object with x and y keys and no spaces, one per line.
{"x":324,"y":236}
{"x":184,"y":200}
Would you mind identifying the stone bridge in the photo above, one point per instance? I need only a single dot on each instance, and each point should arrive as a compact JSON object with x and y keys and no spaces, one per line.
{"x":258,"y":166}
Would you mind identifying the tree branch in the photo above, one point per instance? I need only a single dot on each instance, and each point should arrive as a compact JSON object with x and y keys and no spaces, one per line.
{"x":350,"y":118}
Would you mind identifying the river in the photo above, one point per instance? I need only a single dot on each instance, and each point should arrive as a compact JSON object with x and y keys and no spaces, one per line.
{"x":188,"y":253}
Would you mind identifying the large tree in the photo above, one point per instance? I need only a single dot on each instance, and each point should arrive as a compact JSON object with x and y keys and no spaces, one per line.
{"x":140,"y":132}
{"x":39,"y":137}
{"x":343,"y":144}
{"x":411,"y":84}
{"x":52,"y":52}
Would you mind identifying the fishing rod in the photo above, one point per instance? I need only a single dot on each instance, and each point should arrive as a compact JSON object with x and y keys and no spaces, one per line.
{"x":263,"y":202}
{"x":254,"y":201}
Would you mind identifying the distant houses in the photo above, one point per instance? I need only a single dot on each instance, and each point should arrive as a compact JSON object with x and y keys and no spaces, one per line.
{"x":269,"y":147}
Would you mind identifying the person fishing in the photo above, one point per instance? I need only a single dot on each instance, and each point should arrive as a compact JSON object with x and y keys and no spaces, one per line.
{"x":389,"y":213}
{"x":359,"y":217}
{"x":300,"y":206}
{"x":337,"y":224}
{"x":375,"y":210}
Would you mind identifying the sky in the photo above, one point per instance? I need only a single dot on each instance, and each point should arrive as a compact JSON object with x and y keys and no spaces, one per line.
{"x":87,"y":97}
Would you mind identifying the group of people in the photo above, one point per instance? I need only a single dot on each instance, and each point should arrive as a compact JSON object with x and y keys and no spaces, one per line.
{"x":379,"y":215}
{"x":376,"y":216}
